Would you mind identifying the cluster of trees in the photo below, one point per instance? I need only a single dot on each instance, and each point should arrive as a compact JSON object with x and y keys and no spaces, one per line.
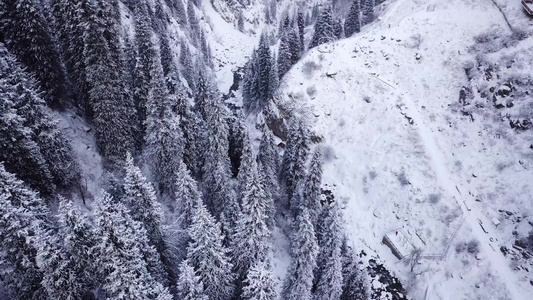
{"x":328,"y":29}
{"x":198,"y":223}
{"x":125,"y":250}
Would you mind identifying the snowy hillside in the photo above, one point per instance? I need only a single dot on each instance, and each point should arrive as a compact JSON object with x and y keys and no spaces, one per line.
{"x":403,"y":157}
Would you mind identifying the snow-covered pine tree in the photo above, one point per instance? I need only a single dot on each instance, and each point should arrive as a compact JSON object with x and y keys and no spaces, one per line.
{"x":237,"y":139}
{"x":268,"y":162}
{"x":295,"y":157}
{"x":203,"y":97}
{"x":186,"y":196}
{"x":188,"y":70}
{"x":240,"y":22}
{"x":284,"y":55}
{"x":328,"y":275}
{"x":259,"y":283}
{"x":164,"y":143}
{"x":323,"y":28}
{"x":251,"y":236}
{"x":264,"y":63}
{"x":69,"y":269}
{"x":28,"y":36}
{"x":247,"y":162}
{"x":146,"y":61}
{"x":123,"y":254}
{"x":113,"y":114}
{"x":54,"y":147}
{"x":167,"y":59}
{"x":337,"y":29}
{"x":181,"y":14}
{"x":18,"y":150}
{"x":355,"y":278}
{"x":250,"y":83}
{"x":23,"y":216}
{"x":294,"y":45}
{"x":189,"y":285}
{"x":217,"y":167}
{"x":367,"y":8}
{"x":208,"y":256}
{"x":194,"y":24}
{"x":313,"y":183}
{"x":352,"y":24}
{"x":144,"y":208}
{"x":301,"y":29}
{"x":67,"y":17}
{"x":274,"y":77}
{"x":304,"y":250}
{"x":191,"y":127}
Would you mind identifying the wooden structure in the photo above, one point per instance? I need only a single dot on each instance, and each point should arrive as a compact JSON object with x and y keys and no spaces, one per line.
{"x":528,"y":6}
{"x":398,"y":243}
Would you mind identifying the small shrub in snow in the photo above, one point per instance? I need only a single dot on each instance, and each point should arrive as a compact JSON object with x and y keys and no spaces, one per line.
{"x":311,"y":91}
{"x":473,"y":247}
{"x":329,"y":153}
{"x":310,"y":67}
{"x":403,"y":179}
{"x":373,"y":175}
{"x":434,"y":198}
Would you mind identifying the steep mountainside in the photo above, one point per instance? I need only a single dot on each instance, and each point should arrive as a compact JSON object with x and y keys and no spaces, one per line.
{"x":404,"y":153}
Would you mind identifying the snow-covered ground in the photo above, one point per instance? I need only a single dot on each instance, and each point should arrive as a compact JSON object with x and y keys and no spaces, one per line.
{"x":400,"y":157}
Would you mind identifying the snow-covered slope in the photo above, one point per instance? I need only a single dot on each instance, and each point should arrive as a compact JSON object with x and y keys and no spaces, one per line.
{"x":400,"y":157}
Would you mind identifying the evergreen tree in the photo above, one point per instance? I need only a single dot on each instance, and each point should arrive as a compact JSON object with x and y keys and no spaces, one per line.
{"x":251,"y":235}
{"x":186,"y":196}
{"x":257,"y":85}
{"x":122,"y":254}
{"x":144,"y":208}
{"x":352,"y":24}
{"x":112,"y":113}
{"x":28,"y":36}
{"x":284,"y":55}
{"x":274,"y":76}
{"x":54,"y":147}
{"x":36,"y":145}
{"x":259,"y":283}
{"x":301,"y":30}
{"x":240,"y":23}
{"x":268,"y":161}
{"x":313,"y":183}
{"x":294,"y":159}
{"x":187,"y":66}
{"x":191,"y":126}
{"x":22,"y":218}
{"x":190,"y":286}
{"x":208,"y":257}
{"x":247,"y":161}
{"x":250,"y":89}
{"x":304,"y":250}
{"x":18,"y":150}
{"x":217,"y":167}
{"x":337,"y":29}
{"x":355,"y":278}
{"x":323,"y":28}
{"x":328,"y":274}
{"x":69,"y":269}
{"x":167,"y":59}
{"x":164,"y":139}
{"x":194,"y":24}
{"x":368,"y":11}
{"x":146,"y":62}
{"x":294,"y":45}
{"x":68,"y":15}
{"x":181,"y":14}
